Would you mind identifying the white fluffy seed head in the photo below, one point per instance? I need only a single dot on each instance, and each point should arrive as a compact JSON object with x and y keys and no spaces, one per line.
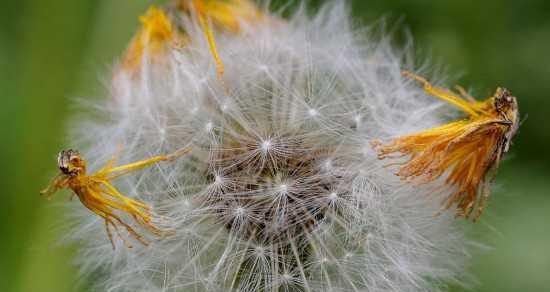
{"x":281,"y":191}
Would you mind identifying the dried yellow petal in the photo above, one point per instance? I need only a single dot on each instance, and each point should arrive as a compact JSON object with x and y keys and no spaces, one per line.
{"x":156,"y":35}
{"x":96,"y":192}
{"x":468,"y":150}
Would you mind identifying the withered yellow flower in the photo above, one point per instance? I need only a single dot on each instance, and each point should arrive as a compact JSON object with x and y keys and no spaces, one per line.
{"x":96,"y":192}
{"x":155,"y":37}
{"x":469,"y":150}
{"x":159,"y":33}
{"x":226,"y":15}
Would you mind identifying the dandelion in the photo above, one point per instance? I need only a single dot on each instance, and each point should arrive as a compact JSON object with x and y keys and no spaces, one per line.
{"x":282,"y":190}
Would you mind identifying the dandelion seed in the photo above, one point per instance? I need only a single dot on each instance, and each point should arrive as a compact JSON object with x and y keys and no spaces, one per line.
{"x":266,"y":145}
{"x":209,"y":126}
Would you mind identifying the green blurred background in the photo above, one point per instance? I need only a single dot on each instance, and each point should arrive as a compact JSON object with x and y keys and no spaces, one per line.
{"x":52,"y":51}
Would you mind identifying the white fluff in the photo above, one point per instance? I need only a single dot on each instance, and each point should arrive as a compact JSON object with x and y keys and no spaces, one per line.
{"x":281,"y":191}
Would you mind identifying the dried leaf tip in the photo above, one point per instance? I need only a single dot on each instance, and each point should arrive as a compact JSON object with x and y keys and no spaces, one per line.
{"x":468,"y":150}
{"x":96,"y":192}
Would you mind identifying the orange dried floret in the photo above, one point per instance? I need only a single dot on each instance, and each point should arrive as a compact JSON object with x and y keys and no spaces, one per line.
{"x":470,"y":150}
{"x":225,"y":14}
{"x":155,"y":36}
{"x":96,"y":192}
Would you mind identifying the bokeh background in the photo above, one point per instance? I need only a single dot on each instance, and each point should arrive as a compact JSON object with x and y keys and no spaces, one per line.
{"x":53,"y":51}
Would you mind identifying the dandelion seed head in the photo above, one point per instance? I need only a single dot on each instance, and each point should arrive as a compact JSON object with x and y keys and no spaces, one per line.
{"x":281,"y":191}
